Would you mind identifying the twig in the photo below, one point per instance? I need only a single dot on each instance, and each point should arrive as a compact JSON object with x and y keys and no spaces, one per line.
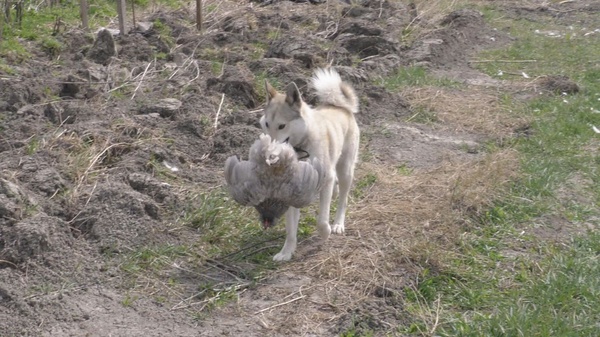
{"x":437,"y":316}
{"x":94,"y":161}
{"x":178,"y":305}
{"x":197,"y":72}
{"x":369,"y":57}
{"x":222,"y":267}
{"x":251,"y":246}
{"x":205,"y":302}
{"x":503,"y":61}
{"x":255,"y":111}
{"x":8,"y":262}
{"x":280,"y":304}
{"x":142,"y":79}
{"x":219,"y":110}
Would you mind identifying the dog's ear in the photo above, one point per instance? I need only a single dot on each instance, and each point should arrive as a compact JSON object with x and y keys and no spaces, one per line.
{"x":292,"y":95}
{"x":271,"y":92}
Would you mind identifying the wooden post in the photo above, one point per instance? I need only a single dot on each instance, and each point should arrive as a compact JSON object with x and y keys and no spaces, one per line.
{"x":83,"y":12}
{"x":121,"y":10}
{"x":6,"y":10}
{"x":133,"y":14}
{"x":199,"y":15}
{"x":1,"y":23}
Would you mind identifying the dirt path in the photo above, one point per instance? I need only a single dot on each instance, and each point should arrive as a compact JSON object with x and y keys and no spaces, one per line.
{"x":103,"y":155}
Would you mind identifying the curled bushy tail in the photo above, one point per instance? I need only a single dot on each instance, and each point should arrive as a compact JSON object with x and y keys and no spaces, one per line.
{"x":332,"y":90}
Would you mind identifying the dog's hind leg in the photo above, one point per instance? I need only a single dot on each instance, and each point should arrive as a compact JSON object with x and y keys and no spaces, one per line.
{"x":345,"y":182}
{"x":292,"y":216}
{"x":323,"y":226}
{"x":345,"y":175}
{"x":336,"y":190}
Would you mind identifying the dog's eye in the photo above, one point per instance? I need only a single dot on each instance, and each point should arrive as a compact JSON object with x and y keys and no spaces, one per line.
{"x":281,"y":126}
{"x":267,"y":124}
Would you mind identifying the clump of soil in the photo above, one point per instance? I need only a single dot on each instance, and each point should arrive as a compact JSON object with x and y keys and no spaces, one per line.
{"x":558,"y":84}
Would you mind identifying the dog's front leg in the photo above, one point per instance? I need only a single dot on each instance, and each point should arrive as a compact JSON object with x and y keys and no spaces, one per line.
{"x":292,"y":216}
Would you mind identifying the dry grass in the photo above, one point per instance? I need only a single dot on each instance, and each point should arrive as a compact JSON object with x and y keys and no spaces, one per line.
{"x":428,"y":15}
{"x":475,"y":187}
{"x":403,"y":224}
{"x":473,"y":110}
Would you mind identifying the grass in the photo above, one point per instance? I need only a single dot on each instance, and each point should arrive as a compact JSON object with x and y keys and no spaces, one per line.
{"x":414,"y":76}
{"x":558,"y":298}
{"x":259,"y":84}
{"x":38,"y":23}
{"x":503,"y":280}
{"x":227,"y":227}
{"x":363,"y":185}
{"x":233,"y":252}
{"x":153,"y":258}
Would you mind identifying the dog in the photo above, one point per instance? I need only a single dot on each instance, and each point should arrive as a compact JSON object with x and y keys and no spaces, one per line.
{"x":328,"y":132}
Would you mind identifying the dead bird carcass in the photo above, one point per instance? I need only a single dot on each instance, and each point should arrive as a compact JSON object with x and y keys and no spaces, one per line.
{"x":273,"y":179}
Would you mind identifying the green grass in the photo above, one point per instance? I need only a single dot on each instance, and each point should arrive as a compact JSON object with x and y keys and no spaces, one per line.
{"x":363,"y":185}
{"x":51,"y":46}
{"x":227,"y":228}
{"x":38,"y":22}
{"x":501,"y":280}
{"x":37,"y":26}
{"x":165,"y":32}
{"x":152,"y":258}
{"x":230,"y":240}
{"x":560,"y":298}
{"x":412,"y":77}
{"x":259,"y":84}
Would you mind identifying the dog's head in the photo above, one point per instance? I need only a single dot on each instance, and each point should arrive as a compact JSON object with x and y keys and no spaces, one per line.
{"x":283,"y":118}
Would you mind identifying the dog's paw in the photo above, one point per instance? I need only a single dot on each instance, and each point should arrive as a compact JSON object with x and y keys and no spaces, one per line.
{"x":324,"y":231}
{"x":282,"y":256}
{"x":337,"y":229}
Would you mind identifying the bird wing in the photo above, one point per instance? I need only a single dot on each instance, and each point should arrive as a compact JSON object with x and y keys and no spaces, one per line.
{"x":289,"y":181}
{"x":306,"y":184}
{"x":243,"y":183}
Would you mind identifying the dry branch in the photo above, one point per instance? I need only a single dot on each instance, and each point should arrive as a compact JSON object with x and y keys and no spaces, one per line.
{"x":281,"y":304}
{"x":218,"y":111}
{"x":503,"y":61}
{"x":142,"y":79}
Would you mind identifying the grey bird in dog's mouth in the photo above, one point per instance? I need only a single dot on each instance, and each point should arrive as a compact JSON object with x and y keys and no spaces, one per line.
{"x":273,"y":179}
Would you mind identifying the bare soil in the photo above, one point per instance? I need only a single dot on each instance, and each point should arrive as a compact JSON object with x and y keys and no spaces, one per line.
{"x":102,"y":152}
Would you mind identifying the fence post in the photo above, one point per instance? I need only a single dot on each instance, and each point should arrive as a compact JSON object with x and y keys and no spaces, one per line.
{"x":133,"y":14}
{"x":1,"y":24}
{"x":121,"y":10}
{"x":199,"y":15}
{"x":83,"y":11}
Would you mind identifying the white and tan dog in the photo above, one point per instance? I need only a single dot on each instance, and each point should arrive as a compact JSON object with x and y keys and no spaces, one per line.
{"x":328,"y":132}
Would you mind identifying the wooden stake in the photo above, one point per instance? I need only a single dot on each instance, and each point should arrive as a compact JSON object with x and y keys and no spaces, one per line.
{"x":83,"y":12}
{"x":133,"y":13}
{"x":121,"y":10}
{"x":199,"y":15}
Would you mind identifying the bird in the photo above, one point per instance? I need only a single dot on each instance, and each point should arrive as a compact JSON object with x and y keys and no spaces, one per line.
{"x":273,"y":179}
